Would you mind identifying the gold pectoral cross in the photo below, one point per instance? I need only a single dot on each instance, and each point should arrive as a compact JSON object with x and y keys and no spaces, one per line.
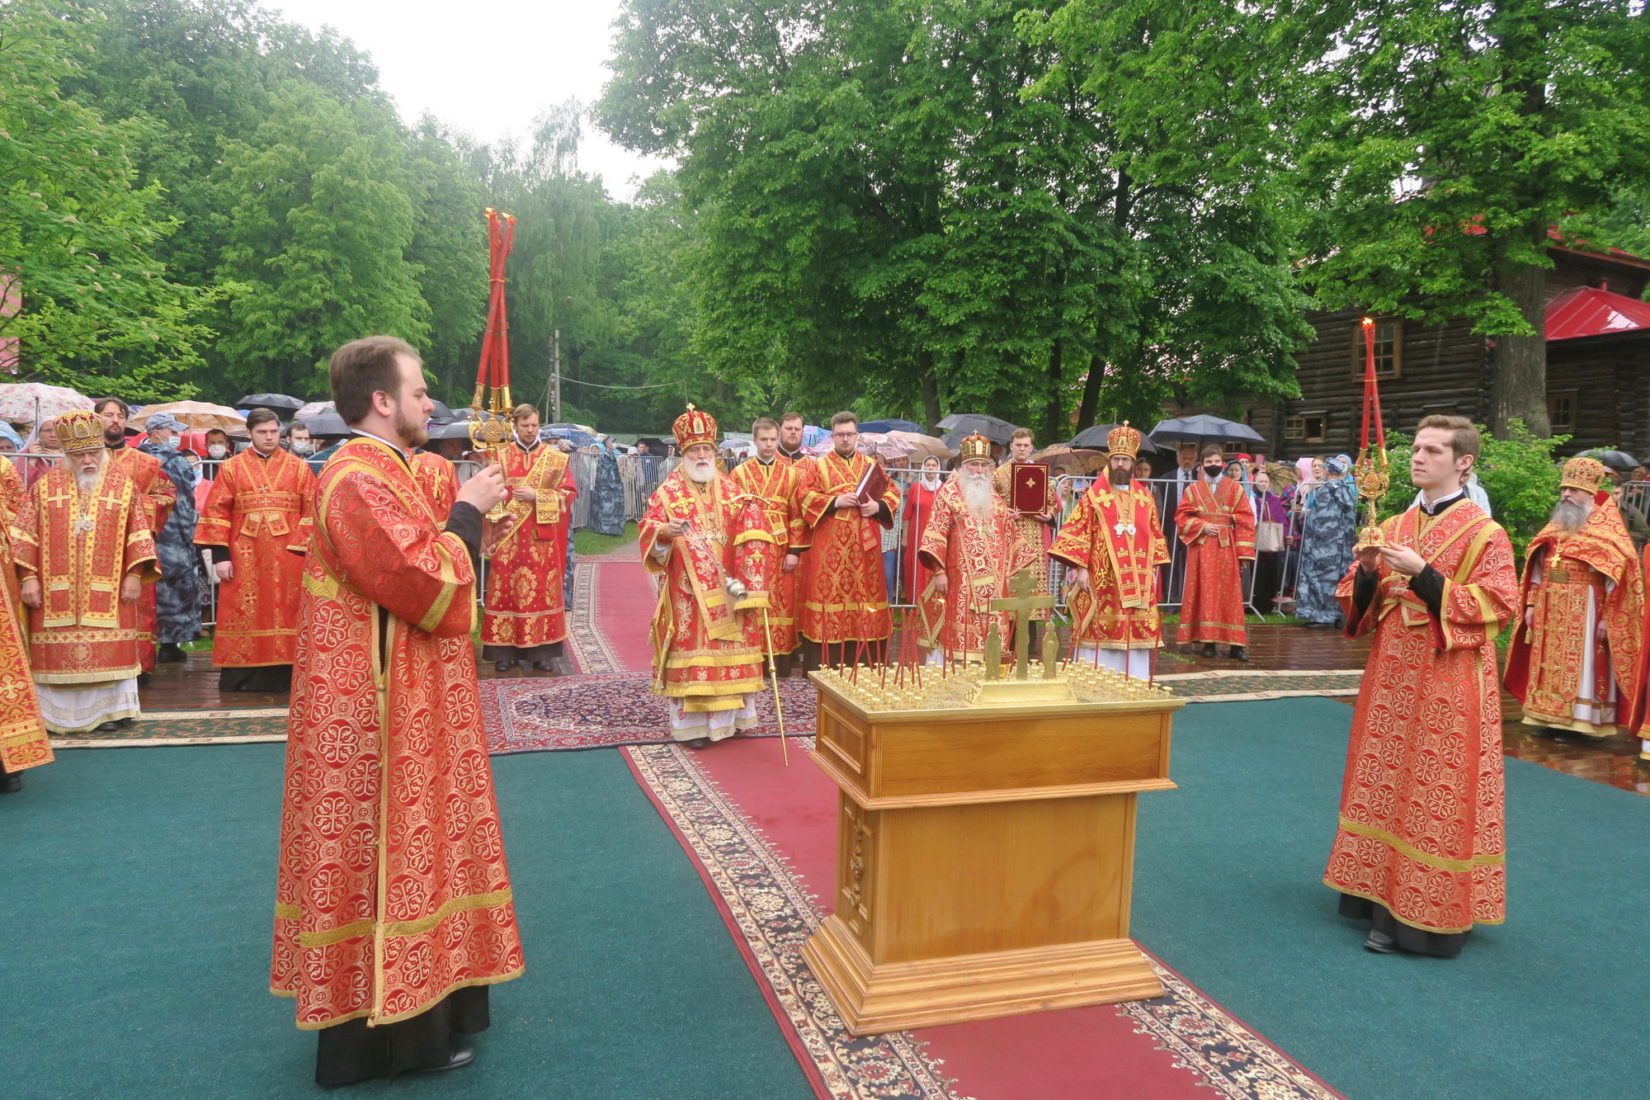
{"x":1022,"y":603}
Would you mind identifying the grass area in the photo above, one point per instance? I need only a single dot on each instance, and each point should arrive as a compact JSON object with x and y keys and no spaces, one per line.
{"x":586,"y":541}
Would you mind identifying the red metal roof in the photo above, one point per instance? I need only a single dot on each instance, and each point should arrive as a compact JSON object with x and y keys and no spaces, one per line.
{"x":1589,"y":311}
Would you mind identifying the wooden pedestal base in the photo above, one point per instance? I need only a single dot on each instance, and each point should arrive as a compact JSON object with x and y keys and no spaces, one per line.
{"x":875,"y":998}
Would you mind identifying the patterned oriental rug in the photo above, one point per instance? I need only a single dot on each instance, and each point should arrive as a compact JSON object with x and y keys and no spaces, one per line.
{"x":763,"y":838}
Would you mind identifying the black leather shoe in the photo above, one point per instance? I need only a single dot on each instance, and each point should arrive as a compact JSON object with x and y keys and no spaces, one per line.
{"x":503,"y":666}
{"x":460,"y":1057}
{"x":698,"y":743}
{"x":11,"y":783}
{"x":1380,"y":943}
{"x":1239,"y":653}
{"x":1208,"y":649}
{"x":170,"y":654}
{"x":544,"y":666}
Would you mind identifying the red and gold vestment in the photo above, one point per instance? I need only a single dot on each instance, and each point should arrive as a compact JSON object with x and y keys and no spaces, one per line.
{"x":1574,"y":584}
{"x":392,"y":889}
{"x":525,"y":607}
{"x":11,"y":499}
{"x":260,"y":509}
{"x":844,"y":595}
{"x":81,"y":546}
{"x":23,"y":741}
{"x":1422,"y":820}
{"x":707,"y":644}
{"x":1033,"y":535}
{"x":1212,"y":609}
{"x":439,"y":479}
{"x":978,"y":555}
{"x":160,"y":495}
{"x":775,"y":487}
{"x":1114,"y":534}
{"x":914,"y":516}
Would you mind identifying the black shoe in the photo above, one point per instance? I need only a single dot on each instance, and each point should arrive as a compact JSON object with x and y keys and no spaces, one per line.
{"x":1239,"y":653}
{"x":698,"y":743}
{"x":11,"y":782}
{"x":503,"y":666}
{"x":544,"y":666}
{"x":1380,"y":943}
{"x":461,"y":1056}
{"x":1208,"y":649}
{"x":170,"y":653}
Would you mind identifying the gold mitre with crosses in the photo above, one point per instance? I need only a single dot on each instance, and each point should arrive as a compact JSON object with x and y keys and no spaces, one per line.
{"x":976,"y":446}
{"x":1586,"y":474}
{"x":80,"y":430}
{"x":1124,"y":440}
{"x":694,"y":427}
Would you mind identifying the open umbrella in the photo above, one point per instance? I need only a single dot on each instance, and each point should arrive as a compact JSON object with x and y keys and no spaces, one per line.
{"x":1096,"y":437}
{"x":1203,"y":429}
{"x":313,"y":408}
{"x":879,"y":443}
{"x":1282,"y":474}
{"x":1076,"y":461}
{"x":325,"y":422}
{"x":452,"y":429}
{"x":894,"y":425}
{"x":275,"y":402}
{"x":924,"y":446}
{"x":573,"y":435}
{"x":196,"y":414}
{"x":1616,"y":460}
{"x":24,"y":402}
{"x":993,"y":428}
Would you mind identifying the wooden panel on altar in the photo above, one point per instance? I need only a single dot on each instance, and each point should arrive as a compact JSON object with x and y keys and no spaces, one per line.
{"x":985,"y":855}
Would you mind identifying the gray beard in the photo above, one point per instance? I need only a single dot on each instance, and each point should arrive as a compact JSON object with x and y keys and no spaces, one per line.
{"x":976,"y":492}
{"x":86,"y":479}
{"x":1569,"y":516}
{"x":699,"y":473}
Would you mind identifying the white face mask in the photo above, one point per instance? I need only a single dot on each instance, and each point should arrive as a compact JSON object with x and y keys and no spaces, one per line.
{"x":302,"y":447}
{"x":217,"y":450}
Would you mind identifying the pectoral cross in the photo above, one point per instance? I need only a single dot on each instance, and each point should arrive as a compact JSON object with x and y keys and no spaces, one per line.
{"x":1022,"y":603}
{"x":1122,"y":527}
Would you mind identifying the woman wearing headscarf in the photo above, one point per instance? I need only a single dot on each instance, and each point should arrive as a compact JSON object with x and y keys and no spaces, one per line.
{"x":915,"y":512}
{"x":1269,"y":509}
{"x":1329,"y":530}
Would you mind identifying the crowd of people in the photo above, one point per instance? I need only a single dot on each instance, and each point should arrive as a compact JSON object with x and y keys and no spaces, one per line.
{"x":356,"y":585}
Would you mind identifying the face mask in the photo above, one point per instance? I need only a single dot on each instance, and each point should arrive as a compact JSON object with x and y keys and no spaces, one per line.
{"x":1212,"y":471}
{"x":303,"y":447}
{"x":217,"y":450}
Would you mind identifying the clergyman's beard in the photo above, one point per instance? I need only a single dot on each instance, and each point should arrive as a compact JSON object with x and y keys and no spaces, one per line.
{"x":1121,"y":478}
{"x":699,"y":470}
{"x":976,"y":493}
{"x":1569,"y":516}
{"x":86,"y":480}
{"x":411,"y":431}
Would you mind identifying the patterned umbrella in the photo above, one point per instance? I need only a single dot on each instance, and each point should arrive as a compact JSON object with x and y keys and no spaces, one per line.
{"x":879,"y":443}
{"x":1076,"y":461}
{"x":196,"y":414}
{"x":24,"y":402}
{"x":924,"y":445}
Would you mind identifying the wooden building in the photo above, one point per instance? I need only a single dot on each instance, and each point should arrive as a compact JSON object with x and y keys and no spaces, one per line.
{"x":1598,"y":366}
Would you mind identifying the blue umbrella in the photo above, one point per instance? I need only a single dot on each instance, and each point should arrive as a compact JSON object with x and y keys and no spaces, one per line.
{"x":895,"y":425}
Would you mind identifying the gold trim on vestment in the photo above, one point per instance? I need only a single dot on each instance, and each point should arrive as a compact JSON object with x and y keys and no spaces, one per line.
{"x":1386,"y":903}
{"x":334,"y":1021}
{"x":720,"y":659}
{"x":448,"y":576}
{"x":683,"y":689}
{"x":1442,"y":863}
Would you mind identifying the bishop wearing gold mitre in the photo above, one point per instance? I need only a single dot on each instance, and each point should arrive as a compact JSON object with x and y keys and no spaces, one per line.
{"x":393,"y":905}
{"x":773,"y":481}
{"x":845,"y":498}
{"x":711,"y":545}
{"x":525,"y":613}
{"x":82,"y":545}
{"x":1033,"y":505}
{"x":157,"y":490}
{"x":972,"y":549}
{"x":1574,"y":660}
{"x":1113,"y":542}
{"x":256,"y":523}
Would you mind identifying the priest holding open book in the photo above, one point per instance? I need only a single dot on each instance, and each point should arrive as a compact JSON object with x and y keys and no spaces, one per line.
{"x":845,"y":497}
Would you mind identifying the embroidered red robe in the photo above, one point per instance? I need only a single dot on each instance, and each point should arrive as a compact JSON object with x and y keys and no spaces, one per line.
{"x":914,"y":516}
{"x":260,"y":509}
{"x":1114,"y":534}
{"x":11,"y":499}
{"x":844,"y":594}
{"x":775,"y":487}
{"x":525,"y":607}
{"x":978,"y":556}
{"x":23,"y":741}
{"x":160,"y":495}
{"x":392,"y":889}
{"x":439,"y":479}
{"x":1212,"y":609}
{"x":1033,"y":535}
{"x":1422,"y":819}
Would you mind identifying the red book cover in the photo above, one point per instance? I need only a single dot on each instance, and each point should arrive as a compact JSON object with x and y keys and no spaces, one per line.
{"x":1028,"y":488}
{"x":872,"y":485}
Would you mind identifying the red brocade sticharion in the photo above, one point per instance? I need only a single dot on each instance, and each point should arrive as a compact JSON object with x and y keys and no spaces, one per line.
{"x":1422,"y":823}
{"x":392,"y":889}
{"x":775,"y":486}
{"x":845,"y":598}
{"x":1213,"y":606}
{"x":525,"y":606}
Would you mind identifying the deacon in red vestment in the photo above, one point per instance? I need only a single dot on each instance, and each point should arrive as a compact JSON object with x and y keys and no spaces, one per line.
{"x":393,"y":908}
{"x":158,"y":493}
{"x":914,"y":514}
{"x":439,"y":480}
{"x":23,"y":741}
{"x":773,"y":482}
{"x":257,"y":523}
{"x":525,"y":617}
{"x":1114,"y":544}
{"x":1033,"y":529}
{"x":845,"y":595}
{"x":972,"y":550}
{"x":711,"y":544}
{"x":1217,"y":524}
{"x":1421,"y":848}
{"x":11,"y":499}
{"x":82,"y":544}
{"x":1574,"y":660}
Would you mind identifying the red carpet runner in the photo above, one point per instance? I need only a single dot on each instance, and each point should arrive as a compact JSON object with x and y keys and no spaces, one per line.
{"x":763,"y":838}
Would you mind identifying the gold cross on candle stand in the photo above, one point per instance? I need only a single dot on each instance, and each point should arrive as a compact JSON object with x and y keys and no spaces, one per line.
{"x":1022,"y":603}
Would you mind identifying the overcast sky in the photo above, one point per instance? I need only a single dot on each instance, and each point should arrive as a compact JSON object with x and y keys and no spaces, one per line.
{"x":488,"y":69}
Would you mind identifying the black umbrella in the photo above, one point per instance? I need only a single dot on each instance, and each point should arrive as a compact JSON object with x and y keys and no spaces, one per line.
{"x":441,"y":414}
{"x":1202,"y":429}
{"x":654,"y":444}
{"x":326,"y":423}
{"x":452,"y":429}
{"x":1616,"y":460}
{"x":993,"y":428}
{"x":1096,"y":437}
{"x":275,"y":402}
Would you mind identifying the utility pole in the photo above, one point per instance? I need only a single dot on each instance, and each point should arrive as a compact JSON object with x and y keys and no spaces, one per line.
{"x":555,"y":376}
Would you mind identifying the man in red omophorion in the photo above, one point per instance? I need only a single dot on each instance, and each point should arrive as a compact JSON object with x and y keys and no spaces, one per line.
{"x":1114,"y":545}
{"x":1421,"y":848}
{"x":845,"y":595}
{"x":81,"y":542}
{"x":1574,"y":660}
{"x":1217,"y":524}
{"x":393,"y":907}
{"x":256,"y":524}
{"x":971,"y":548}
{"x":158,"y":492}
{"x":711,"y":545}
{"x":773,"y":481}
{"x":525,"y":617}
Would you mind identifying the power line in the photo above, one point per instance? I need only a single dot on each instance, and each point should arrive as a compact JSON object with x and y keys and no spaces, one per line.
{"x":601,"y":386}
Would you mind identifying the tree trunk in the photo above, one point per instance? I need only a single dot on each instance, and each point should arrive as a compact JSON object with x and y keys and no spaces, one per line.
{"x":1091,"y":393}
{"x":1054,"y":425}
{"x":930,"y":393}
{"x":1519,"y":388}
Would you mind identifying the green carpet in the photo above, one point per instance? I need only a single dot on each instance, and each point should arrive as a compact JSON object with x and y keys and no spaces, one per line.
{"x":135,"y":921}
{"x":1229,"y":891}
